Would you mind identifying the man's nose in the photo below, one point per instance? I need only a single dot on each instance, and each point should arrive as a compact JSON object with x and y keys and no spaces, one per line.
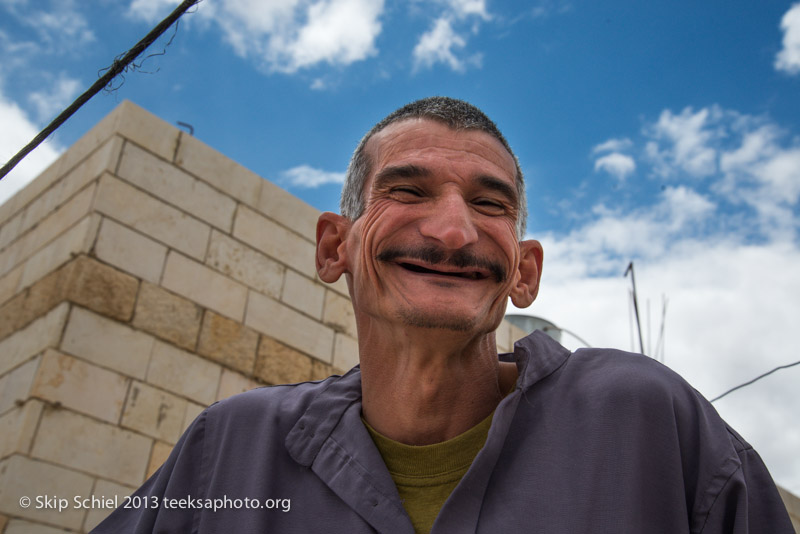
{"x":449,"y":221}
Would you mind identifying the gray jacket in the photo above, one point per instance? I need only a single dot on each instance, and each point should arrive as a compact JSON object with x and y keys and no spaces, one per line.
{"x":596,"y":441}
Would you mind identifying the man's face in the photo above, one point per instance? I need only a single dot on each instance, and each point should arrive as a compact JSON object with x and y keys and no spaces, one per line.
{"x":436,"y":246}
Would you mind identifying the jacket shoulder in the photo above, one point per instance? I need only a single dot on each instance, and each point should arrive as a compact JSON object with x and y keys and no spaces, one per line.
{"x":632,"y":376}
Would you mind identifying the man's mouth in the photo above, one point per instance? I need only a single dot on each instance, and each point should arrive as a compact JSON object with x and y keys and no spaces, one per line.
{"x":469,"y":275}
{"x":432,"y":260}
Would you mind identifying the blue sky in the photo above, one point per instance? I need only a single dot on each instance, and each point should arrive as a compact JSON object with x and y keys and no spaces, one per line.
{"x":665,"y":133}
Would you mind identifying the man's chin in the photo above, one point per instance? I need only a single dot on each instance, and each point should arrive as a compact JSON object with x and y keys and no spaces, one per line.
{"x":454,"y":323}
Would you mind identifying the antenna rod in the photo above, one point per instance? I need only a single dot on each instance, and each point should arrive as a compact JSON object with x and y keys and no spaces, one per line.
{"x":635,"y":304}
{"x":660,"y":345}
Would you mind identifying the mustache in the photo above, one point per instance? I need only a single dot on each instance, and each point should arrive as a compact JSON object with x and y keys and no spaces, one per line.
{"x":434,"y":255}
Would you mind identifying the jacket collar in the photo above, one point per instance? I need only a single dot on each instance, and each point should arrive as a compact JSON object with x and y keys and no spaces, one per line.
{"x":536,"y":355}
{"x":331,"y":440}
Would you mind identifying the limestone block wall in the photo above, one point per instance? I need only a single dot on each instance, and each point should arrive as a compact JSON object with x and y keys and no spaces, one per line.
{"x":143,"y":276}
{"x":792,"y":503}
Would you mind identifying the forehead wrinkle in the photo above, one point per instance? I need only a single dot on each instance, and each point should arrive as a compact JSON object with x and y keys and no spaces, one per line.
{"x":410,"y":170}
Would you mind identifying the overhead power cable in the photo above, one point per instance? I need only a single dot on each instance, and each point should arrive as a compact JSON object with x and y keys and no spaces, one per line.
{"x":117,"y":67}
{"x":756,"y":379}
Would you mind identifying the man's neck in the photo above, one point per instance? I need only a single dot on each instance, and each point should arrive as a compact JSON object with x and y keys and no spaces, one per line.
{"x":427,"y":386}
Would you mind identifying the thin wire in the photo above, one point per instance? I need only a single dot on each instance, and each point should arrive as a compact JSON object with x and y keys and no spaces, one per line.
{"x":117,"y":67}
{"x":756,"y":379}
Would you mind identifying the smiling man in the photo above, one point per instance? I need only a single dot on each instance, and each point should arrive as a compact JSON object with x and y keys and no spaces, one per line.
{"x":431,"y":254}
{"x":434,"y":431}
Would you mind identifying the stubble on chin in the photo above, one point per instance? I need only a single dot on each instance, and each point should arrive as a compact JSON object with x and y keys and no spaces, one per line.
{"x":421,"y":319}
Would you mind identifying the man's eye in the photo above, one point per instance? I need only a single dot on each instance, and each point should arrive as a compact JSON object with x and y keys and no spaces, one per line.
{"x":489,"y":204}
{"x":406,"y":191}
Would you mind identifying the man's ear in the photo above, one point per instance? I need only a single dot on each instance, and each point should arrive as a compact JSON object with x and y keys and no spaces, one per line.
{"x":530,"y":273}
{"x":331,"y":235}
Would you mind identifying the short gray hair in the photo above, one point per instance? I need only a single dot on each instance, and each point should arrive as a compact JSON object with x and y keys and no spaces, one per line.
{"x":456,"y":114}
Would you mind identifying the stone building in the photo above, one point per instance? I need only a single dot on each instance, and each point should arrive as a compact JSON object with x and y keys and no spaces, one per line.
{"x":144,"y":276}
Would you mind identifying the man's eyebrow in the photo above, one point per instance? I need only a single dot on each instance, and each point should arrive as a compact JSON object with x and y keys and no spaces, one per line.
{"x":389,"y":174}
{"x":501,"y":186}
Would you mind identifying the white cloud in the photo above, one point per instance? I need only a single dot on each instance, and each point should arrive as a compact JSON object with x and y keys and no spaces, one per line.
{"x":613,"y":145}
{"x":747,"y":160}
{"x":253,"y":27}
{"x":336,"y":32}
{"x":756,"y":145}
{"x":437,"y":46}
{"x":688,"y":137}
{"x":309,"y":177}
{"x":49,"y":103}
{"x":448,"y":35}
{"x":616,"y":164}
{"x":780,"y":176}
{"x":760,"y":160}
{"x":685,"y":208}
{"x":466,"y":8}
{"x":287,"y":35}
{"x":613,"y":236}
{"x":290,"y":35}
{"x":788,"y":59}
{"x":764,"y":174}
{"x":16,"y":132}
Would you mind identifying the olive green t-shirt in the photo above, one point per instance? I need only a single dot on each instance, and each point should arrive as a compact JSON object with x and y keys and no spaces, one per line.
{"x":426,"y":475}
